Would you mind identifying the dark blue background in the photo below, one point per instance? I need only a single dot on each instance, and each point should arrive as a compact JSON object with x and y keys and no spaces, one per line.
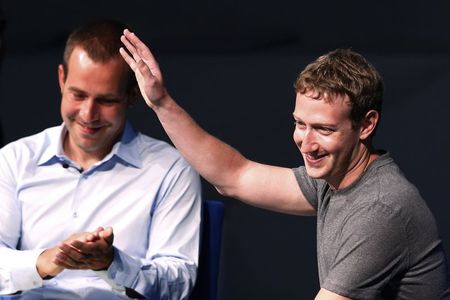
{"x":232,"y":64}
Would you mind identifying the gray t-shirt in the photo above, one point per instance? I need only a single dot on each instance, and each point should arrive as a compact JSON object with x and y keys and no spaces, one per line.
{"x":377,"y":239}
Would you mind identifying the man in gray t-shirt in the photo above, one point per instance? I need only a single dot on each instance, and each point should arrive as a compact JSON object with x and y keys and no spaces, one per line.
{"x":376,"y":237}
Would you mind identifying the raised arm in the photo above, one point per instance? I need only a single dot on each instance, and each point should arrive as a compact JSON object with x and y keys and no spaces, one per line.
{"x":232,"y":174}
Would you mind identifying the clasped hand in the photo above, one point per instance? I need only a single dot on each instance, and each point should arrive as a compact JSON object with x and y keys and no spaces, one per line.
{"x":81,"y":251}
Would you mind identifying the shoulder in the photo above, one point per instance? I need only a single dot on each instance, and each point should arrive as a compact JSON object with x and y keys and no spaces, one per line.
{"x":388,"y":205}
{"x":386,"y":184}
{"x":153,"y":151}
{"x":150,"y":147}
{"x":32,"y":146}
{"x":24,"y":154}
{"x":374,"y":219}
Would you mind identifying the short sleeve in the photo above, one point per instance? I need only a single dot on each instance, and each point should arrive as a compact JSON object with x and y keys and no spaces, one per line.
{"x":307,"y":185}
{"x":372,"y":251}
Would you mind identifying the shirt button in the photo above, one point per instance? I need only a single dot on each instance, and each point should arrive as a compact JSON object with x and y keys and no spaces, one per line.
{"x":74,"y":214}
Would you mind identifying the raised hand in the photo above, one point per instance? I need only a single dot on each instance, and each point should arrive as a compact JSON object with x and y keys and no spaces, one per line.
{"x":143,"y":63}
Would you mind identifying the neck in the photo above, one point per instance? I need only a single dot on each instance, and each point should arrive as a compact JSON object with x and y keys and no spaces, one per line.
{"x":82,"y":157}
{"x":367,"y":154}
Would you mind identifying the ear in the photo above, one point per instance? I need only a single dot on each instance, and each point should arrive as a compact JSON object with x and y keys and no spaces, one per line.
{"x":133,"y":96}
{"x":61,"y":77}
{"x":369,"y":123}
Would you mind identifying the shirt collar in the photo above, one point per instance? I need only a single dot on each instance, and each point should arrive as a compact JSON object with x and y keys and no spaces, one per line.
{"x":54,"y":151}
{"x":126,"y":149}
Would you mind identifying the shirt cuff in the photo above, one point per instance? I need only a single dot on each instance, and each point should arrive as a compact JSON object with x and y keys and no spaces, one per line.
{"x":24,"y":275}
{"x":118,"y":289}
{"x":124,"y":269}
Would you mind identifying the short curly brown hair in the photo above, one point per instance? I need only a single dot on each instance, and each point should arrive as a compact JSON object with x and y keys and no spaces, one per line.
{"x":344,"y":72}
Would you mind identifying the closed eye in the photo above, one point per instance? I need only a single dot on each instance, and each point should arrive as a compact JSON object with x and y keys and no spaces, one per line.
{"x":299,"y":124}
{"x":108,"y":101}
{"x":325,"y":130}
{"x":78,"y":96}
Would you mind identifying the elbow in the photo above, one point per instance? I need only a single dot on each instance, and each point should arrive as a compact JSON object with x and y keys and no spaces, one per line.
{"x":224,"y":191}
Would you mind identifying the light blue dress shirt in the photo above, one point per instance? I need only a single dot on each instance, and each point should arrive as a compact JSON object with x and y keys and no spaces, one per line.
{"x":143,"y":189}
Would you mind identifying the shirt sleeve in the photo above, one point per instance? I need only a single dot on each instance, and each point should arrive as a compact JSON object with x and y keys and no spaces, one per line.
{"x":373,"y":250}
{"x":17,"y":268}
{"x":307,"y":185}
{"x":169,"y":269}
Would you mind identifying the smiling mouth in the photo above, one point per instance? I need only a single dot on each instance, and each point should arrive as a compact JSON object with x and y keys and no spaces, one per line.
{"x":314,"y":159}
{"x":89,"y":129}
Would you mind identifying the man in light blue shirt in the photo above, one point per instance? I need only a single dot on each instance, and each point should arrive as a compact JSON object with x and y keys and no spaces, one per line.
{"x":92,"y":209}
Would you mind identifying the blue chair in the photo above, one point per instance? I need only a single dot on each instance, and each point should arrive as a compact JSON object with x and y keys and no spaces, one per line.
{"x":206,"y":287}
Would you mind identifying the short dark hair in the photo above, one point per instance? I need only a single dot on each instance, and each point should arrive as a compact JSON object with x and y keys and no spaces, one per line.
{"x":101,"y":41}
{"x":344,"y":72}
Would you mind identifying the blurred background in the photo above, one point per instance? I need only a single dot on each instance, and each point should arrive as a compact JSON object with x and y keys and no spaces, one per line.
{"x":232,"y":65}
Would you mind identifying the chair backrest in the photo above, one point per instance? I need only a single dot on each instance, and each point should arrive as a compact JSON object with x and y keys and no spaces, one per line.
{"x":209,"y":261}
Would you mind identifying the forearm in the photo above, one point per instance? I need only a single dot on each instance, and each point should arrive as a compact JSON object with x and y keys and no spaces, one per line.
{"x":269,"y":187}
{"x":216,"y":161}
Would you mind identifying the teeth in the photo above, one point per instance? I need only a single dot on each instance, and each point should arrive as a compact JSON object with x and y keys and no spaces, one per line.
{"x":314,"y":157}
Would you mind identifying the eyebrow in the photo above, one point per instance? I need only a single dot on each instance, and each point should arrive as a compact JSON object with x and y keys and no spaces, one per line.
{"x":104,"y":96}
{"x":315,"y":125}
{"x":74,"y":89}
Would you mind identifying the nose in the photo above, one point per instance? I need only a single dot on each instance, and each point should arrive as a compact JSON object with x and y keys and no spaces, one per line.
{"x":306,"y":140}
{"x":88,"y":111}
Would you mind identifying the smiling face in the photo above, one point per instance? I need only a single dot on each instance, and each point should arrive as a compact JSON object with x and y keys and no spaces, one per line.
{"x":93,"y":105}
{"x":331,"y":147}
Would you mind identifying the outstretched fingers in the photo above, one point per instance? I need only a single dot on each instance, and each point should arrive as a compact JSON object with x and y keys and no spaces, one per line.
{"x":140,"y":59}
{"x":140,"y":51}
{"x":129,"y":60}
{"x":138,"y":46}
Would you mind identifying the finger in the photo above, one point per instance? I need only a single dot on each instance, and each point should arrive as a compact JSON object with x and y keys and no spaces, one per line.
{"x":71,"y":252}
{"x":100,"y":228}
{"x":130,"y":47}
{"x":132,"y":51}
{"x":144,"y":52}
{"x":70,"y":266}
{"x":85,"y":248}
{"x":128,"y":59}
{"x":89,"y":237}
{"x":95,"y":235}
{"x":144,"y":70}
{"x":139,"y":46}
{"x":97,"y":248}
{"x":66,"y":261}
